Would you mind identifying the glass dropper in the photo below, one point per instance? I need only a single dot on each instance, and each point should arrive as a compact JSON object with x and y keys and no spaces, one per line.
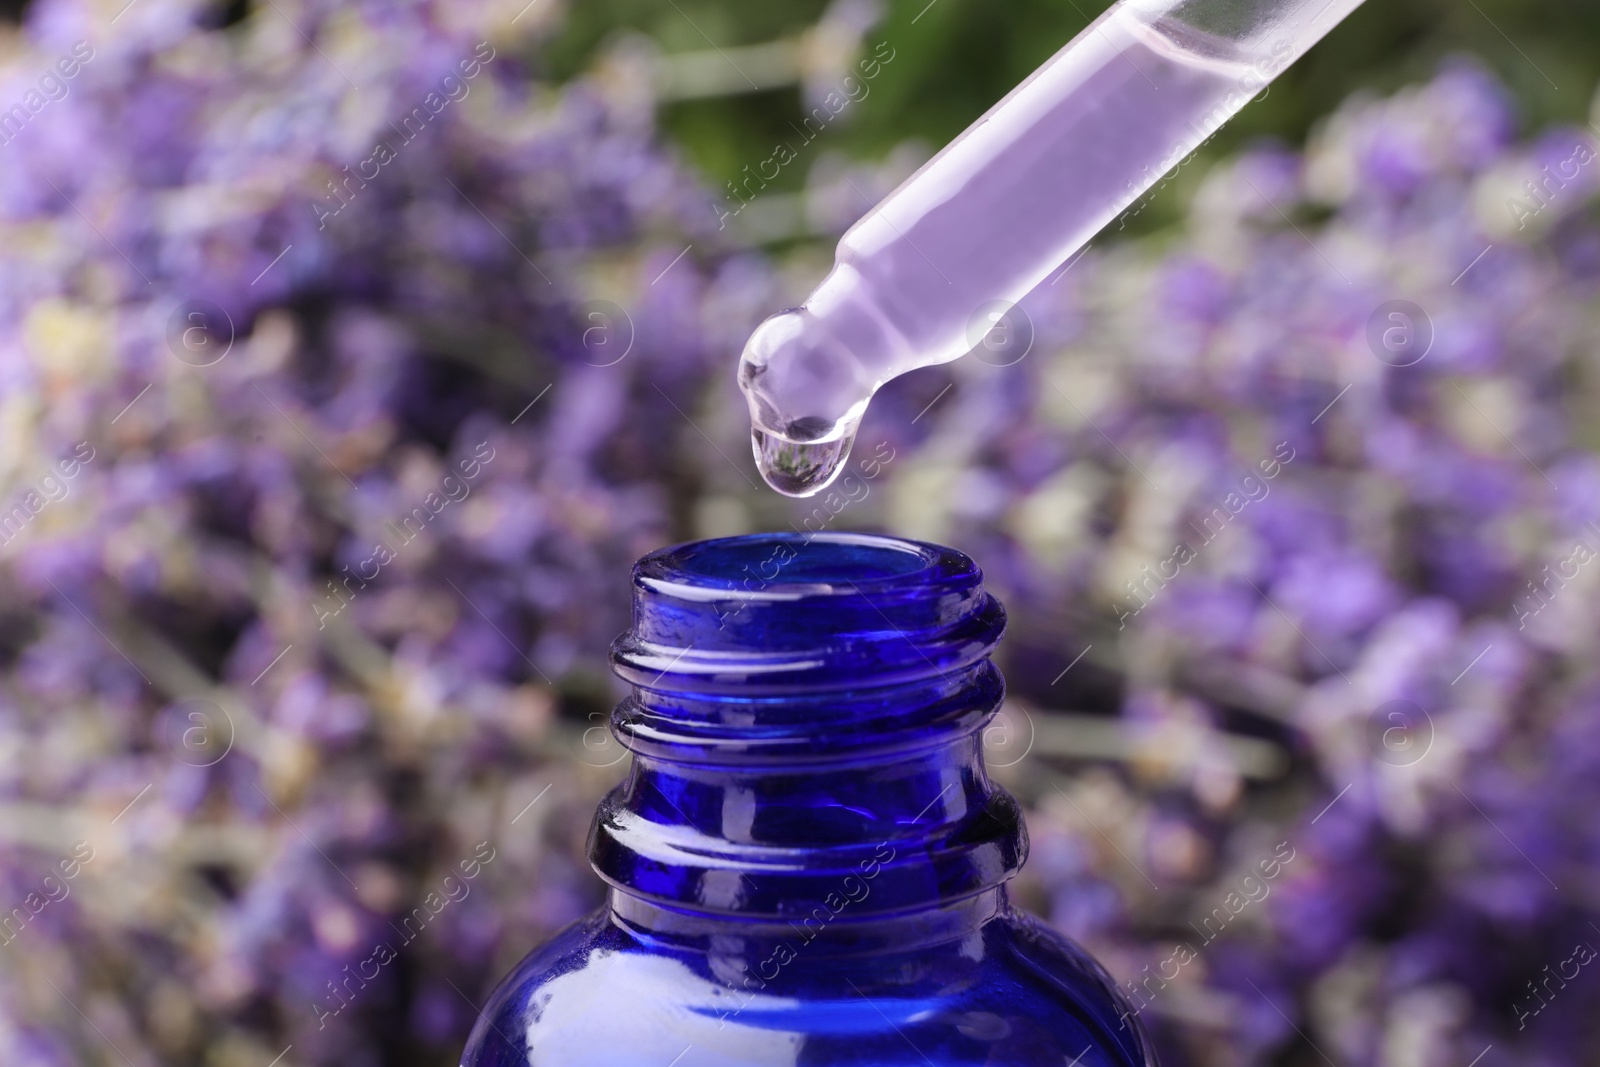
{"x":917,"y":281}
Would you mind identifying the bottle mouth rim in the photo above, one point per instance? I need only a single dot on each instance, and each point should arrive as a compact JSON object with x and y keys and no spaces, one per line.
{"x":785,"y":612}
{"x":789,"y":566}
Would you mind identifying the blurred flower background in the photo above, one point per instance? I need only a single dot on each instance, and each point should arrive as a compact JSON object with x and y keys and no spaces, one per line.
{"x":351,"y":353}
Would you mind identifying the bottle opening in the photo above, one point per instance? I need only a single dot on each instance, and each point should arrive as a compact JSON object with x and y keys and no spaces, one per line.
{"x":833,"y":559}
{"x":828,"y":610}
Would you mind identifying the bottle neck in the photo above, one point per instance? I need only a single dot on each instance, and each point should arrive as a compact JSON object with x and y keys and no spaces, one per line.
{"x":807,"y":744}
{"x":822,"y":936}
{"x":909,"y":823}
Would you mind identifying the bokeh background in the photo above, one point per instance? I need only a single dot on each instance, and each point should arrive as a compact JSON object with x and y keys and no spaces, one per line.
{"x":1348,"y":355}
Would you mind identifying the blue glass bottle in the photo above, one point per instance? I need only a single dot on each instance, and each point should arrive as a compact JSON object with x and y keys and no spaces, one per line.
{"x":807,"y":861}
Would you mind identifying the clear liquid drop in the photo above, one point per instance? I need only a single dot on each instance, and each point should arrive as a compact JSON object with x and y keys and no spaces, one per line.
{"x":800,"y":468}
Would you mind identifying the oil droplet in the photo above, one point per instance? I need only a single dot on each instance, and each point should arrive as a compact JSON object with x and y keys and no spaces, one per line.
{"x":800,"y":468}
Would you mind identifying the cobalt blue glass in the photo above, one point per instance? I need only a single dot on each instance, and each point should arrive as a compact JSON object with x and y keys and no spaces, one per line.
{"x":807,"y":861}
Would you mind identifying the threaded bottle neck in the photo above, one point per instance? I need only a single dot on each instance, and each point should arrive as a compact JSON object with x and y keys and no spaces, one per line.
{"x":805,"y":721}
